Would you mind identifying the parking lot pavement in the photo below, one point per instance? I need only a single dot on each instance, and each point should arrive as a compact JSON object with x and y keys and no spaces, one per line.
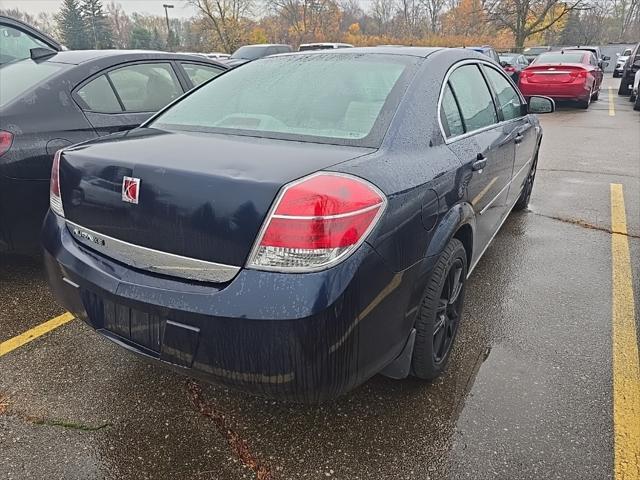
{"x":528,"y":394}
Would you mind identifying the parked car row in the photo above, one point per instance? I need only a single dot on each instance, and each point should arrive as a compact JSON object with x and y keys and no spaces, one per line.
{"x":630,"y":77}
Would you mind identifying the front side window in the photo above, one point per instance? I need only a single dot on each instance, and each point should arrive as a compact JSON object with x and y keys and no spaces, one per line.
{"x":199,"y":73}
{"x":474,"y":97}
{"x":450,"y":114}
{"x":508,"y":99}
{"x":323,"y":96}
{"x":146,"y":87}
{"x":98,"y":96}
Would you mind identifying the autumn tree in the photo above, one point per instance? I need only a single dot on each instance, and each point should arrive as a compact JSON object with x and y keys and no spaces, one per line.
{"x":308,"y":20}
{"x":228,"y":19}
{"x":525,"y":18}
{"x":120,"y":24}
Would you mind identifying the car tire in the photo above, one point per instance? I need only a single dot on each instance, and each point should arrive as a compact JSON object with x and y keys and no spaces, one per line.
{"x":440,"y":313}
{"x":632,"y":97}
{"x":525,"y":195}
{"x":636,"y":105}
{"x":595,"y":96}
{"x":584,"y":104}
{"x":624,"y":88}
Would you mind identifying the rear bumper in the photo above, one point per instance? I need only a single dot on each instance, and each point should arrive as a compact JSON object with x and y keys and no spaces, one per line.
{"x":569,"y":91}
{"x":302,"y":337}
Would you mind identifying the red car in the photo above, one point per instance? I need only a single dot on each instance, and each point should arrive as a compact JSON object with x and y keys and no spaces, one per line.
{"x":564,"y":75}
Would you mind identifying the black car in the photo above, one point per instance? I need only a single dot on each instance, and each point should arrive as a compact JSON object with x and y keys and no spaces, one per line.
{"x":631,"y":66}
{"x":488,"y":51}
{"x":298,"y":224}
{"x":249,"y":53}
{"x":68,"y":97}
{"x":513,"y":64}
{"x":18,"y":38}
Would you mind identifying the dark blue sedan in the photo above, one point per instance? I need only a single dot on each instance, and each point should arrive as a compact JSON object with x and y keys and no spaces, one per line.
{"x":300,"y":223}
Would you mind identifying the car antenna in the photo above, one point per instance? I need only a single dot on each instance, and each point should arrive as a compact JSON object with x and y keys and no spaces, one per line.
{"x":41,"y":52}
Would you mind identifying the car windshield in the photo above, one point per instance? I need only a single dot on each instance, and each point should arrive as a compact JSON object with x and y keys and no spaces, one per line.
{"x":18,"y":77}
{"x":325,"y":97}
{"x":250,"y":52}
{"x":560,"y":57}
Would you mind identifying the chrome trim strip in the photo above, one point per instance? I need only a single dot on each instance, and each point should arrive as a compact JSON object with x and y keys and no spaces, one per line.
{"x":328,"y":217}
{"x":152,"y":260}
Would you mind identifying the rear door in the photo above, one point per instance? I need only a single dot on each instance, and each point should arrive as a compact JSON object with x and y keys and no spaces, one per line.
{"x":126,"y":96}
{"x":474,"y":132}
{"x":522,"y":135}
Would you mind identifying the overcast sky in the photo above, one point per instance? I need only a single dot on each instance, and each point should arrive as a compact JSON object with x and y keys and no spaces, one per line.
{"x":129,"y":6}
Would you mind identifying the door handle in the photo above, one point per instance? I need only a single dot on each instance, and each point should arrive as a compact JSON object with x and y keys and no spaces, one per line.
{"x":518,"y":138}
{"x":480,"y":163}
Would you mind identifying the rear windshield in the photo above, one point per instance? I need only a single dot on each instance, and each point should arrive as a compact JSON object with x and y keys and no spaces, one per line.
{"x":536,"y":50}
{"x":325,"y":97}
{"x":250,"y":53}
{"x":18,"y":77}
{"x":559,"y":57}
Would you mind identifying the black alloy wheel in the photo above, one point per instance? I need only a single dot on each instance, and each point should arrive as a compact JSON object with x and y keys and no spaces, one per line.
{"x":525,"y":195}
{"x":440,"y":312}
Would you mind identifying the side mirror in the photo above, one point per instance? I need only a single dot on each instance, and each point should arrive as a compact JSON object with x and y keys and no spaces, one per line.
{"x":636,"y":64}
{"x":503,"y":63}
{"x":618,"y":54}
{"x":539,"y":104}
{"x":606,"y":57}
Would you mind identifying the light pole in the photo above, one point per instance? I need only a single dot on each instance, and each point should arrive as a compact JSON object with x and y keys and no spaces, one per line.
{"x":166,"y":14}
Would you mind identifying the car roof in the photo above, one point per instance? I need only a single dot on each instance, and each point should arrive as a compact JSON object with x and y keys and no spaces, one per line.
{"x":266,"y":45}
{"x":77,"y":57}
{"x":388,"y":50}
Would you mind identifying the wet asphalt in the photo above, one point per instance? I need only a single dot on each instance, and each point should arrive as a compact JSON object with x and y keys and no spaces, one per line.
{"x":528,"y":394}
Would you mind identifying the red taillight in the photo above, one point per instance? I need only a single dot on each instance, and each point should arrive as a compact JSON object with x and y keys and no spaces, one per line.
{"x":509,"y":69}
{"x":6,"y":139}
{"x":579,"y":74}
{"x":526,"y":74}
{"x":55,"y":200}
{"x":316,"y":222}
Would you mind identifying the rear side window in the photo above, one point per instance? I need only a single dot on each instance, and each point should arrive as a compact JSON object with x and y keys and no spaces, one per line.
{"x":18,"y":77}
{"x":99,"y":97}
{"x":508,"y":99}
{"x":474,"y":97}
{"x":450,"y":114}
{"x":198,"y":73}
{"x":145,"y":87}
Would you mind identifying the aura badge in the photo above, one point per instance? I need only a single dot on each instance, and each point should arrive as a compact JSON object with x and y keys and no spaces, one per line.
{"x":130,"y":189}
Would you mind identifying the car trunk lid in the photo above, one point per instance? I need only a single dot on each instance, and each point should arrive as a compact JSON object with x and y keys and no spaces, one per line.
{"x":553,"y":73}
{"x":202,"y":196}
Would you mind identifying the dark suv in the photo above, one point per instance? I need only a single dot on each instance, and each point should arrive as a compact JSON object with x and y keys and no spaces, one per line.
{"x":631,"y":66}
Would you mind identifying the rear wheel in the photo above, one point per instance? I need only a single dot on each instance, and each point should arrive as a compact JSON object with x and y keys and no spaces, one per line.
{"x":595,"y":96}
{"x":440,"y":313}
{"x":636,"y":105}
{"x":525,"y":195}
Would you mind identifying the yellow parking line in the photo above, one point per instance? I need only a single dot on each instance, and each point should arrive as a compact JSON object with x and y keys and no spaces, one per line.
{"x":26,"y":337}
{"x":612,"y":107}
{"x":626,"y":366}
